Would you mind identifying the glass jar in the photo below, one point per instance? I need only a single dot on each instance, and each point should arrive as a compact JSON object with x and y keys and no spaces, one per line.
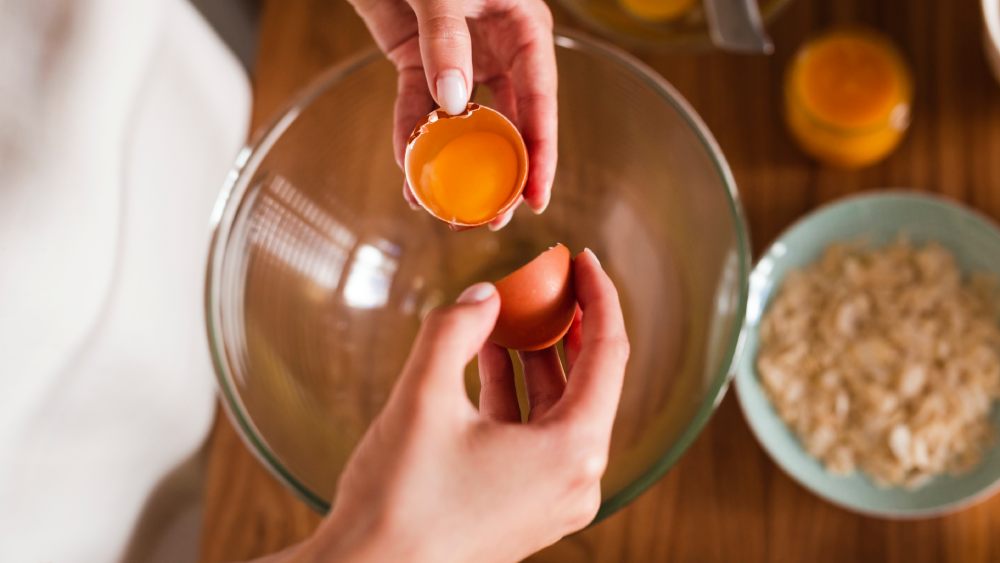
{"x":848,"y":95}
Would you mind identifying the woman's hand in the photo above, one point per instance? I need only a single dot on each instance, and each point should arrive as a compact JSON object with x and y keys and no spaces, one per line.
{"x":442,"y":47}
{"x":434,"y":479}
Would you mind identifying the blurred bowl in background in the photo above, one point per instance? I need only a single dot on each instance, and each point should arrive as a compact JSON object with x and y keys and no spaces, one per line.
{"x":320,"y":273}
{"x":991,"y":34}
{"x":876,"y":219}
{"x":653,"y":24}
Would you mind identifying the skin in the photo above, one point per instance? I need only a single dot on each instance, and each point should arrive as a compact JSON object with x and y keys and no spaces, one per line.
{"x":505,"y":45}
{"x":436,"y":479}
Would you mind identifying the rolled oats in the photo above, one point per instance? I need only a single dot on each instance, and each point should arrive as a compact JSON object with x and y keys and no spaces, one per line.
{"x":885,"y":360}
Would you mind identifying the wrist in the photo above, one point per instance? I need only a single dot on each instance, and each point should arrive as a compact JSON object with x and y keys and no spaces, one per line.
{"x":358,"y":538}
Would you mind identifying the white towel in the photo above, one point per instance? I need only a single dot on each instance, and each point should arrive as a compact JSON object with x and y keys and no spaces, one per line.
{"x":118,"y":122}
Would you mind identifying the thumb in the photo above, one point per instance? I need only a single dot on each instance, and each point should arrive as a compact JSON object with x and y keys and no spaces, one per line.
{"x":446,"y":51}
{"x":450,"y":337}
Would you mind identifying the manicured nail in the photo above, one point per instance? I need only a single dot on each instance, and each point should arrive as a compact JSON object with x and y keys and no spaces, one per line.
{"x":476,"y":293}
{"x":409,"y":197}
{"x":451,"y":91}
{"x":592,"y":255}
{"x":503,"y":221}
{"x":545,"y":204}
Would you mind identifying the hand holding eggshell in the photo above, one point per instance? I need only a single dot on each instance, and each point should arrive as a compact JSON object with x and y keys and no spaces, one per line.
{"x":527,"y":484}
{"x":443,"y":49}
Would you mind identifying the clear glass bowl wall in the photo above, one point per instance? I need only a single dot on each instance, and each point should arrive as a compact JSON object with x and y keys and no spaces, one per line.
{"x":320,"y":273}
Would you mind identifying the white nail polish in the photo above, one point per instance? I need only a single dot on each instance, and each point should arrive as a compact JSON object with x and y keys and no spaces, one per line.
{"x":451,"y":92}
{"x":411,"y":200}
{"x":545,"y":205}
{"x":503,"y":223}
{"x":476,"y":293}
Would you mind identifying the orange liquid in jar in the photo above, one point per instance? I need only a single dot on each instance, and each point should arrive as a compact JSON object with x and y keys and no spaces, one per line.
{"x":847,"y":98}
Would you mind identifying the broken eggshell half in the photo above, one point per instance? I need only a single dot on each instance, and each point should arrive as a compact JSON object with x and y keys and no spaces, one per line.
{"x":505,"y":152}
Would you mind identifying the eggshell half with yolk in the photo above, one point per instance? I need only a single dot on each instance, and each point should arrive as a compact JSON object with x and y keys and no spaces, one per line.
{"x":537,"y":302}
{"x":466,"y":169}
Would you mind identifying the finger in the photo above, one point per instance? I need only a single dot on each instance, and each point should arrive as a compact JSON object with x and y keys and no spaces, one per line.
{"x":497,"y":395}
{"x":595,"y":384}
{"x":411,"y":200}
{"x":543,"y":379}
{"x":573,"y":341}
{"x":393,"y":25}
{"x":390,"y":23}
{"x":506,"y":103}
{"x":413,"y":102}
{"x":502,"y":221}
{"x":448,"y":340}
{"x":446,"y":50}
{"x":533,"y":72}
{"x":503,"y":96}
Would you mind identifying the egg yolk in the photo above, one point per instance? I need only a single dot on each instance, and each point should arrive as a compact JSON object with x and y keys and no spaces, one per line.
{"x":847,"y":98}
{"x":657,"y":10}
{"x":850,"y":80}
{"x":472,"y":177}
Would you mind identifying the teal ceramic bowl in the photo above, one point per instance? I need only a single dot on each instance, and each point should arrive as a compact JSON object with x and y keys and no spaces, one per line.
{"x":975,"y":242}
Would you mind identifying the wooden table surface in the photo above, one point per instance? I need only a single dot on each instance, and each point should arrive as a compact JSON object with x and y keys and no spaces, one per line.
{"x":726,"y":500}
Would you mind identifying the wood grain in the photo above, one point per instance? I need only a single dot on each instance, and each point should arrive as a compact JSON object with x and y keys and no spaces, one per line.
{"x":725,"y":501}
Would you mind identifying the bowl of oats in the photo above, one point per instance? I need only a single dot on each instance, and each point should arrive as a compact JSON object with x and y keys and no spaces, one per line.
{"x":871,"y":365}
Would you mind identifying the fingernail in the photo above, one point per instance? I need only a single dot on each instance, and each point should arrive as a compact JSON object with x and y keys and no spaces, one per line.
{"x":451,"y":92}
{"x":592,"y":255}
{"x":476,"y":293}
{"x":411,"y":200}
{"x":545,"y":204}
{"x":503,"y":221}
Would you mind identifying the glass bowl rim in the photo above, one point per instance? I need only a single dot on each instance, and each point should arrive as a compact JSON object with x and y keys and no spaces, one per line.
{"x":233,"y":196}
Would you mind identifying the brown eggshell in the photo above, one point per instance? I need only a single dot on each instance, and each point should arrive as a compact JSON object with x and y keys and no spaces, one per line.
{"x":537,"y":302}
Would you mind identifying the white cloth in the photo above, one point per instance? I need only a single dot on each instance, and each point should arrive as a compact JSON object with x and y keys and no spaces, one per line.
{"x":118,"y":122}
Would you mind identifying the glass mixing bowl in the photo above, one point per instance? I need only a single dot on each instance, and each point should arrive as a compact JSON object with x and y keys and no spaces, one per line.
{"x":320,"y":273}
